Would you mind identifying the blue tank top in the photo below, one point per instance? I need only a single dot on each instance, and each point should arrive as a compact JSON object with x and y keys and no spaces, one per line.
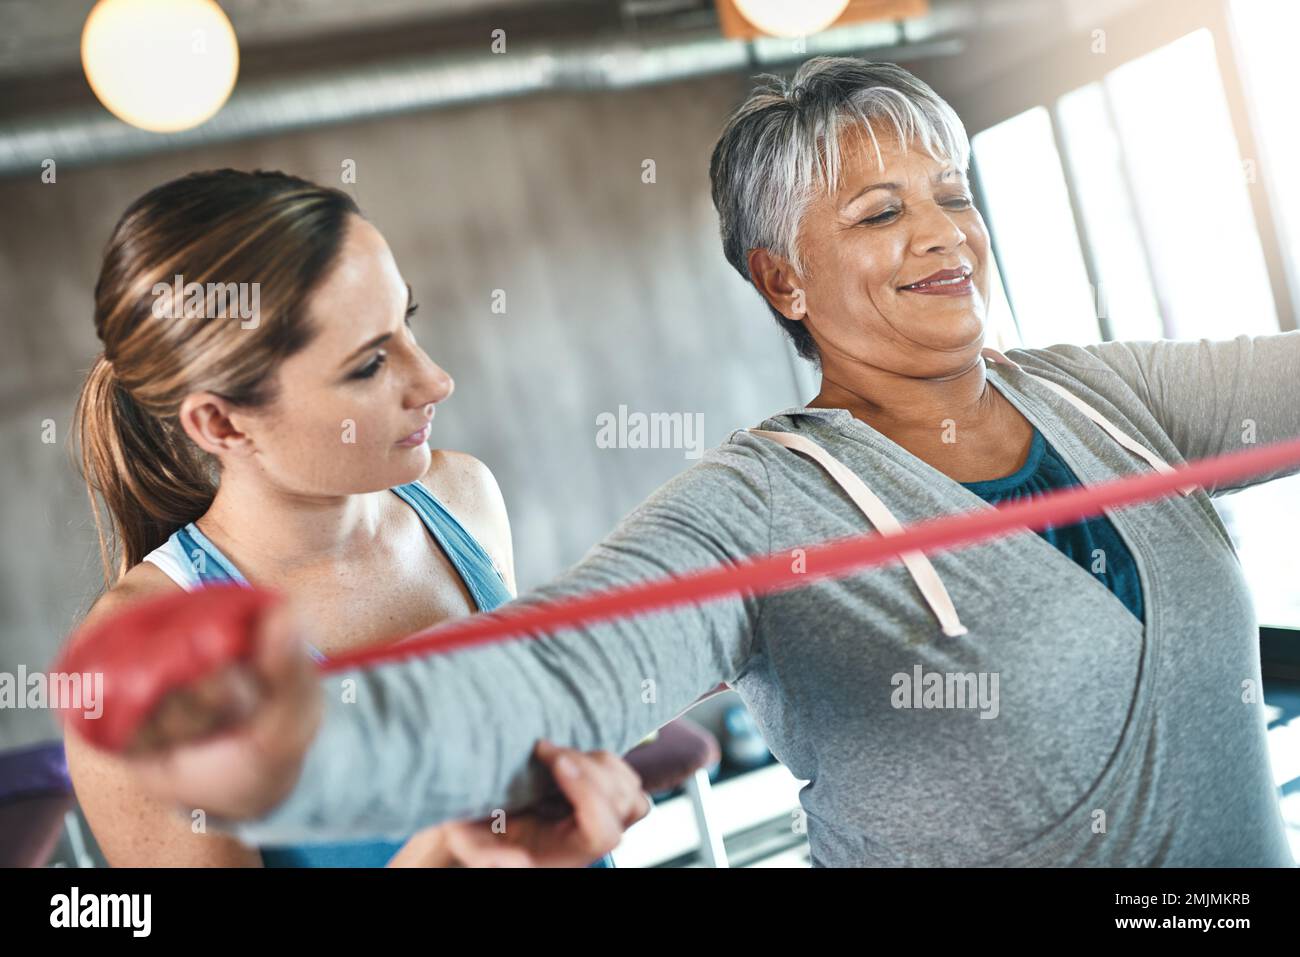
{"x":1043,"y":471}
{"x":191,"y":559}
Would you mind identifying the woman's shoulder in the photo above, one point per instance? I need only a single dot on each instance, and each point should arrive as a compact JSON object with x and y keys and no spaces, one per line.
{"x":1116,"y":363}
{"x":146,"y":580}
{"x":456,"y":473}
{"x":729,"y":484}
{"x":467,"y":488}
{"x":464,"y":484}
{"x":1066,"y":357}
{"x":747,"y":453}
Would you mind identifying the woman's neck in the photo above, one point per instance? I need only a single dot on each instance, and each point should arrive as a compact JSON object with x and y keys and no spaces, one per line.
{"x":903,"y":407}
{"x":283,"y":531}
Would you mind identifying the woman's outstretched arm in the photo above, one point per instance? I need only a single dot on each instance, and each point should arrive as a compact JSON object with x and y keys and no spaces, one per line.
{"x":1215,"y":396}
{"x":447,"y":737}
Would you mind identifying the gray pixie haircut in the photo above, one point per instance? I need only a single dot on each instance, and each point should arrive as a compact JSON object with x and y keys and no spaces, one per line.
{"x":782,"y":147}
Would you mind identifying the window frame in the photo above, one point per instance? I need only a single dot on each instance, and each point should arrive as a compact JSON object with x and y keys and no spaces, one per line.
{"x":1069,"y":64}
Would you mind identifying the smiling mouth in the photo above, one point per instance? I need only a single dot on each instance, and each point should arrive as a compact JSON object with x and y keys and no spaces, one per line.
{"x":963,"y":279}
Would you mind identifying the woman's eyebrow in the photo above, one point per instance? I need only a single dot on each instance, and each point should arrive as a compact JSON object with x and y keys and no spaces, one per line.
{"x":936,"y":179}
{"x":380,"y":339}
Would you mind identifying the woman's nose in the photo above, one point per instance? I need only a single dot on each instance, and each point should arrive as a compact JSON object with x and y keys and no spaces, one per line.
{"x":433,"y":384}
{"x":938,"y":230}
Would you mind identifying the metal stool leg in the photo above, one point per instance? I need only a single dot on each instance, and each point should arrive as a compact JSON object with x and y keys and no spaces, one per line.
{"x":713,"y":853}
{"x":77,"y":840}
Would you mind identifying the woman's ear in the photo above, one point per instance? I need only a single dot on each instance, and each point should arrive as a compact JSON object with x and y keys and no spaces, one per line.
{"x":775,"y":279}
{"x":207,"y":420}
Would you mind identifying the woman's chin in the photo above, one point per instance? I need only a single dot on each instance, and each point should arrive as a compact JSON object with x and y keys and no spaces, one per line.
{"x":411,"y":462}
{"x":400,"y":467}
{"x":953,"y":334}
{"x":950,"y":340}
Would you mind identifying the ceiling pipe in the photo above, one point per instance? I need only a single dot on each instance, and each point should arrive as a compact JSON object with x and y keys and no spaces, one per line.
{"x":92,"y":135}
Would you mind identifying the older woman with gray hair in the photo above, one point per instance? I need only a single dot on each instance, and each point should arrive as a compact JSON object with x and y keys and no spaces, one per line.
{"x":1087,"y":695}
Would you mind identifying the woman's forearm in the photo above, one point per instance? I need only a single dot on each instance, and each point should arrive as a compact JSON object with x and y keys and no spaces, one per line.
{"x":447,"y":737}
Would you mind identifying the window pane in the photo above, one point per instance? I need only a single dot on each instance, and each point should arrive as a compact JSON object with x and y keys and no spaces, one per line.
{"x":1264,"y":522}
{"x":1189,"y":186}
{"x":1042,"y":266}
{"x":1266,"y":33}
{"x":1125,"y":295}
{"x":1000,"y":329}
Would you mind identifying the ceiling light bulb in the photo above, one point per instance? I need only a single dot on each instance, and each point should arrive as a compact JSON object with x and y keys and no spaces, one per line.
{"x":161,"y":65}
{"x":786,"y":18}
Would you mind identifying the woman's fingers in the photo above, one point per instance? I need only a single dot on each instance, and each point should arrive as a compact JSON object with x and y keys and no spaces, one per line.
{"x":612,"y":776}
{"x":632,"y":801}
{"x":197,"y":710}
{"x":289,"y":684}
{"x":474,"y":844}
{"x":278,"y":650}
{"x":605,"y":795}
{"x":234,"y":692}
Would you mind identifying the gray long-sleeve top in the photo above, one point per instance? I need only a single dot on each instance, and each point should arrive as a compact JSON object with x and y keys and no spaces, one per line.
{"x":1114,"y":743}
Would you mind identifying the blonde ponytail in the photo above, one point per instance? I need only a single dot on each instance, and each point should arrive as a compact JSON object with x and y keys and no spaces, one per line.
{"x":150,"y":480}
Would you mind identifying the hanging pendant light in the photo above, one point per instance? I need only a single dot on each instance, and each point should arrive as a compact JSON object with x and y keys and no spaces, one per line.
{"x":784,"y":18}
{"x":160,"y":65}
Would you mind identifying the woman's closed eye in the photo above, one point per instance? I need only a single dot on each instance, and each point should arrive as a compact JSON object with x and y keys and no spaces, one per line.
{"x":957,"y":202}
{"x":371,"y":368}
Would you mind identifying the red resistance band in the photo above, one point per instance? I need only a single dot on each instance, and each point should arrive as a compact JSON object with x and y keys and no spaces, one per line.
{"x":162,"y":644}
